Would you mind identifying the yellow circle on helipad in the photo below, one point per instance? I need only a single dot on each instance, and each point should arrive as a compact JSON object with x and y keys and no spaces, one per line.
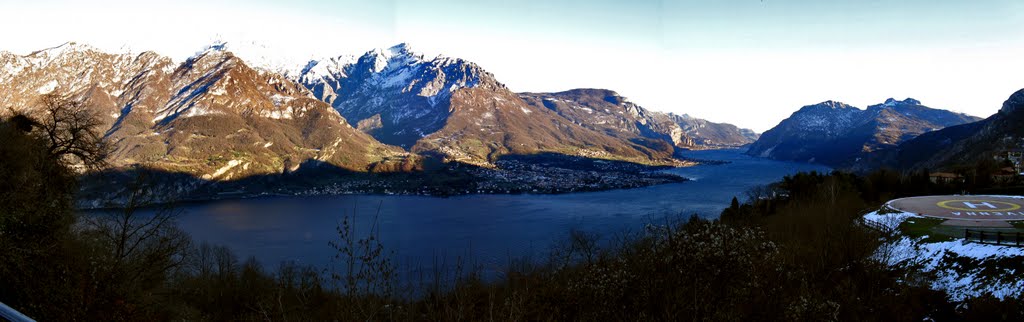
{"x":977,"y":205}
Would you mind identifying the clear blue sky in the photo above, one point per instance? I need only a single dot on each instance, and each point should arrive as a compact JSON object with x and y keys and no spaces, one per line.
{"x":747,"y":62}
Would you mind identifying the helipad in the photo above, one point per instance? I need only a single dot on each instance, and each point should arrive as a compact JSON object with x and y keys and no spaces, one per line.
{"x":991,"y":209}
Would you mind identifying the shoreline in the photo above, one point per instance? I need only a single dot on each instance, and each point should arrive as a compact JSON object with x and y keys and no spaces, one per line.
{"x":531,"y":179}
{"x":375,"y":193}
{"x":517,"y":176}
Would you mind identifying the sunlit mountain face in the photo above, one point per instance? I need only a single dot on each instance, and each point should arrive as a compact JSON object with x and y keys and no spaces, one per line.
{"x":529,"y":160}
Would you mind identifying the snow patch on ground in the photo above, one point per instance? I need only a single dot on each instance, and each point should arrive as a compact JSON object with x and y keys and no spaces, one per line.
{"x":224,"y":169}
{"x":198,"y":111}
{"x":890,"y":220}
{"x":48,"y":87}
{"x":945,"y":260}
{"x":400,"y":79}
{"x":277,"y":114}
{"x":220,"y":90}
{"x":279,"y":99}
{"x":12,"y":68}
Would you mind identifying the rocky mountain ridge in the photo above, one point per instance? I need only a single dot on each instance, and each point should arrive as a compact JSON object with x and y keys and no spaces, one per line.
{"x":961,"y":145}
{"x":218,"y":118}
{"x":608,"y":112}
{"x":212,"y":115}
{"x":454,"y":109}
{"x":837,"y":134}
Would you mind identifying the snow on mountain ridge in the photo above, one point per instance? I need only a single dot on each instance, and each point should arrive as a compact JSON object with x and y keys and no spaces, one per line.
{"x":400,"y":54}
{"x":892,"y":102}
{"x":837,"y":134}
{"x":179,"y":116}
{"x":394,"y":67}
{"x":401,"y":94}
{"x":260,"y":56}
{"x":829,"y":117}
{"x":62,"y":49}
{"x":11,"y":64}
{"x":69,"y":68}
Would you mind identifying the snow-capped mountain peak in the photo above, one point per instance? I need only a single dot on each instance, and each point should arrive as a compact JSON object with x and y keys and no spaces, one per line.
{"x":834,"y":104}
{"x":397,"y":55}
{"x":323,"y":67}
{"x":62,"y":49}
{"x":258,"y":55}
{"x":891,"y":102}
{"x":215,"y":48}
{"x":834,"y":133}
{"x":400,"y":49}
{"x":829,"y":107}
{"x":395,"y":86}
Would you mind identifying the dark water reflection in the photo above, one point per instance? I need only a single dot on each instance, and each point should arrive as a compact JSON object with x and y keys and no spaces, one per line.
{"x":489,"y":228}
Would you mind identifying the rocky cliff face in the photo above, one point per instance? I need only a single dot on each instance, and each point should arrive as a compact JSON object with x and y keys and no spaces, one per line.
{"x":405,"y":95}
{"x":216,"y":117}
{"x":958,"y":145}
{"x":711,"y":135}
{"x":838,"y":134}
{"x":454,"y":109}
{"x":211,"y":116}
{"x":608,"y":112}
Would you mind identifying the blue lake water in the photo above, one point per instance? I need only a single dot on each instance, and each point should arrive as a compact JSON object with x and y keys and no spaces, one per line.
{"x":488,"y":228}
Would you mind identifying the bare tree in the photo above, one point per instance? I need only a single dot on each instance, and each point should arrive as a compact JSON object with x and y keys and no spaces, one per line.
{"x":140,"y":246}
{"x":127,"y":230}
{"x":367,"y":270}
{"x":72,"y":132}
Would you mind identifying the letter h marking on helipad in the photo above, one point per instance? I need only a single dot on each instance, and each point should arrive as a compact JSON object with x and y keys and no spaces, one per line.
{"x":975,"y":205}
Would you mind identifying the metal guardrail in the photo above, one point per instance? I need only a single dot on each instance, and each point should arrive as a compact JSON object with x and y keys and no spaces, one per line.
{"x":994,"y":237}
{"x":10,"y":314}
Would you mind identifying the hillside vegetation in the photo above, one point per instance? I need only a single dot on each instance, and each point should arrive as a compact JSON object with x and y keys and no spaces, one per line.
{"x":794,"y":251}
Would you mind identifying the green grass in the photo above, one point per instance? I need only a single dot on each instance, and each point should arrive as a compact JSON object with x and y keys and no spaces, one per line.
{"x":931,"y":227}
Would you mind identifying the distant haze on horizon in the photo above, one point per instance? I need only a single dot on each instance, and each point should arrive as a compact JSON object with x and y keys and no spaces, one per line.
{"x":746,"y":62}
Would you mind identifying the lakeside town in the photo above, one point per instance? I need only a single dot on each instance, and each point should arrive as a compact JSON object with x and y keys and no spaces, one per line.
{"x":511,"y":176}
{"x":537,"y":174}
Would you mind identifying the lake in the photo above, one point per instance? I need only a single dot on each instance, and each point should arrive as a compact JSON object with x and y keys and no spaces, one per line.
{"x":488,"y":228}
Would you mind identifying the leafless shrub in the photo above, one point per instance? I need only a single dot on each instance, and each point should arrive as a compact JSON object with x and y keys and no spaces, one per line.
{"x":136,"y":251}
{"x":366,"y":271}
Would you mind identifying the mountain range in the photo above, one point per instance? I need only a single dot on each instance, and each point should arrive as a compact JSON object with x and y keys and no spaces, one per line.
{"x":212,"y":115}
{"x":216,"y":117}
{"x":608,"y":112}
{"x":840,"y":135}
{"x":961,"y":145}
